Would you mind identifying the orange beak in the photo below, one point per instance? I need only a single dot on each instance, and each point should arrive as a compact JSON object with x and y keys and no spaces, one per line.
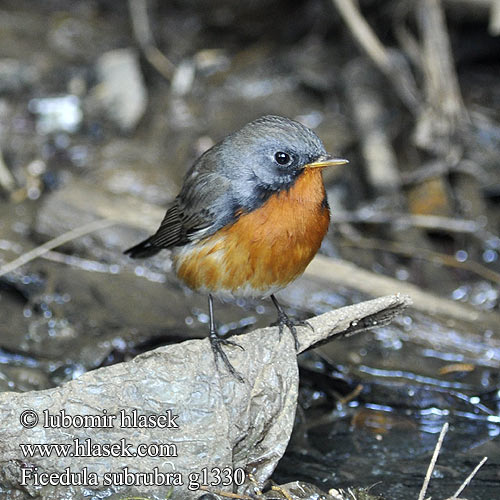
{"x":326,"y":161}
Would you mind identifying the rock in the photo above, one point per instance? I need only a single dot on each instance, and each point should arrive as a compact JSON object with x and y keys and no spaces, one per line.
{"x":122,"y":91}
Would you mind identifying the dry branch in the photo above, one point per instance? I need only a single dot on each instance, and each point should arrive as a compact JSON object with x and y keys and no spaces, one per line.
{"x":371,"y":119}
{"x":391,"y":64}
{"x":144,"y":36}
{"x":336,"y":272}
{"x":403,"y":220}
{"x":445,"y":113}
{"x":425,"y":254}
{"x":441,"y":83}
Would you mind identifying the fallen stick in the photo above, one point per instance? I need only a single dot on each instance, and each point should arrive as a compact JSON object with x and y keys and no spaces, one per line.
{"x":423,"y":253}
{"x":403,"y":220}
{"x":343,"y":273}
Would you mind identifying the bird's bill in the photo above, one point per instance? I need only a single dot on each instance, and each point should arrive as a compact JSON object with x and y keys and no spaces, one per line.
{"x":327,"y":161}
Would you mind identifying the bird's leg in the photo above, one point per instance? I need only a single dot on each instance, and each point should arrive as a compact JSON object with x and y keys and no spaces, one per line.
{"x":285,"y":320}
{"x":216,"y":342}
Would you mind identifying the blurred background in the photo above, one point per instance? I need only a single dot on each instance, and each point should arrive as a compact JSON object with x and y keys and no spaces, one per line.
{"x":104,"y":105}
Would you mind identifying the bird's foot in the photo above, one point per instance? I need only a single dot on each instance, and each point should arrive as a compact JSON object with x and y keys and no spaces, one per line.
{"x":291,"y":324}
{"x":217,"y":342}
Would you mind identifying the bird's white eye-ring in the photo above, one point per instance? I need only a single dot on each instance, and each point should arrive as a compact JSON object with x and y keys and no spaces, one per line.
{"x":282,"y":158}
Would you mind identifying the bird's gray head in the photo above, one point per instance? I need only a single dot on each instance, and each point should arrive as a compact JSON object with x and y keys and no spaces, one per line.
{"x":270,"y":152}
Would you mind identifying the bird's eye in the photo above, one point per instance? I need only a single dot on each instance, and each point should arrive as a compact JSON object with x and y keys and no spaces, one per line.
{"x":282,"y":158}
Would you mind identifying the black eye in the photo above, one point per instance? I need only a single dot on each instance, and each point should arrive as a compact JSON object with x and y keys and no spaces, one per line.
{"x":282,"y":158}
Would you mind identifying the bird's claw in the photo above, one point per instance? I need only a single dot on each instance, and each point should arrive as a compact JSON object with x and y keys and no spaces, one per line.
{"x":285,"y":320}
{"x":217,"y":342}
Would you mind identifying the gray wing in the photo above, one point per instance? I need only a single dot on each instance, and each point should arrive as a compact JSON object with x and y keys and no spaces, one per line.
{"x":204,"y":205}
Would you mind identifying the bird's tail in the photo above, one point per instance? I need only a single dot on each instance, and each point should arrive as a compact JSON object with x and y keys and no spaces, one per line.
{"x":142,"y":250}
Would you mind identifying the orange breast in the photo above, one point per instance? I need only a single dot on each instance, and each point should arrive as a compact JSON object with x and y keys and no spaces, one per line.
{"x":263,"y":250}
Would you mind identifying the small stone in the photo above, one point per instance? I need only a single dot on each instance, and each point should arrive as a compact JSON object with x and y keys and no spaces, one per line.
{"x":122,"y":91}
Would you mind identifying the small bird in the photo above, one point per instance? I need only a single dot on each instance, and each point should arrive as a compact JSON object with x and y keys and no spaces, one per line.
{"x":251,"y":214}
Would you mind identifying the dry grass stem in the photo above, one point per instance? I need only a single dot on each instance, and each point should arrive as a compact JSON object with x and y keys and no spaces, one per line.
{"x":432,"y":464}
{"x":468,"y":479}
{"x":226,"y":494}
{"x":428,"y":255}
{"x":54,"y":243}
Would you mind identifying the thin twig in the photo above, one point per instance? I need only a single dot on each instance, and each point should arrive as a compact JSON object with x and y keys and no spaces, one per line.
{"x":432,"y":464}
{"x":384,"y":59}
{"x":468,"y":480}
{"x":364,"y":34}
{"x":226,"y":493}
{"x":456,"y":368}
{"x":352,"y":395}
{"x":428,"y":255}
{"x":429,"y":222}
{"x":54,"y":243}
{"x":281,"y":490}
{"x":369,"y":114}
{"x":144,"y":36}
